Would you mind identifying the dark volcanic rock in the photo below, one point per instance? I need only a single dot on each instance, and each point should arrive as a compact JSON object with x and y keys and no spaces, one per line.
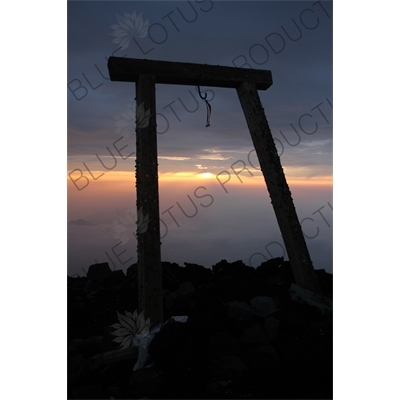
{"x":75,"y":346}
{"x":170,"y":347}
{"x":270,"y":268}
{"x":237,"y":269}
{"x":115,"y":391}
{"x":91,"y":287}
{"x":263,"y":306}
{"x":246,"y":335}
{"x":132,"y":270}
{"x":197,"y":274}
{"x":92,"y":346}
{"x":146,"y":381}
{"x":229,"y":367}
{"x":240,"y":311}
{"x":173,"y":276}
{"x":272,"y":326}
{"x":325,"y":281}
{"x":90,"y":392}
{"x":76,"y":282}
{"x":277,"y":274}
{"x":115,"y":278}
{"x":224,"y":344}
{"x":181,"y":293}
{"x":254,"y":336}
{"x":76,"y":369}
{"x":98,"y":271}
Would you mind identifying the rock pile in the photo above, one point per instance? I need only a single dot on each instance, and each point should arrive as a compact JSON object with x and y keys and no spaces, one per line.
{"x":250,"y":333}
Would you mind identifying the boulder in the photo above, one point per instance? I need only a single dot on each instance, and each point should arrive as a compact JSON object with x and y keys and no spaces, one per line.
{"x":75,"y":346}
{"x":297,"y":293}
{"x":132,"y":270}
{"x":228,"y":367}
{"x":91,"y":287}
{"x":269,"y":268}
{"x":219,"y":266}
{"x":89,"y":392}
{"x":76,"y":282}
{"x":181,"y":292}
{"x":263,"y":306}
{"x":172,"y":275}
{"x":170,"y":348}
{"x":98,"y":271}
{"x":93,"y":345}
{"x":325,"y":281}
{"x":197,"y":274}
{"x":277,"y":273}
{"x":254,"y":336}
{"x":240,"y":311}
{"x":267,"y":351}
{"x":146,"y":380}
{"x":76,"y":368}
{"x":115,"y":278}
{"x":238,"y":269}
{"x":222,"y":343}
{"x":272,"y":325}
{"x":115,"y":392}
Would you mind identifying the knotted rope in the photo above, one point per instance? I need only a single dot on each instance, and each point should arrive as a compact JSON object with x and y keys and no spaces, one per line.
{"x":208,"y":106}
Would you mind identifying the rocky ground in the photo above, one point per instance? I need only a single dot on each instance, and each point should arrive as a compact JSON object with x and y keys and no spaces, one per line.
{"x":250,"y":334}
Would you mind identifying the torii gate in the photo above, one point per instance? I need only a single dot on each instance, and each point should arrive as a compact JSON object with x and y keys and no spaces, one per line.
{"x":247,"y":82}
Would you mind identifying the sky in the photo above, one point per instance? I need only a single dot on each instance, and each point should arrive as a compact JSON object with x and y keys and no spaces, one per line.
{"x":214,"y":203}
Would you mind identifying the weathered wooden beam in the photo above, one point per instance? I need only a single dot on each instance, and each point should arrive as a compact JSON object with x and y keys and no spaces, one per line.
{"x":148,"y":229}
{"x":278,"y":188}
{"x":178,"y":73}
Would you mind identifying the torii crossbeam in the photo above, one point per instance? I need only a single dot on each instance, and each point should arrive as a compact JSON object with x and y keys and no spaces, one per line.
{"x":247,"y":82}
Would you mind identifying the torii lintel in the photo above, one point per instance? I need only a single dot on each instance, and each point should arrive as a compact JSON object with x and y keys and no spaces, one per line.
{"x":178,"y":73}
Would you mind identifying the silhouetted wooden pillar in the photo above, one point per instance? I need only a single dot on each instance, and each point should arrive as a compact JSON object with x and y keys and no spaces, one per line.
{"x":149,"y":252}
{"x":278,"y":188}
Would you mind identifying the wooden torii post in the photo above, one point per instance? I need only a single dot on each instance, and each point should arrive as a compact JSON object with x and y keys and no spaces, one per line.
{"x":247,"y":82}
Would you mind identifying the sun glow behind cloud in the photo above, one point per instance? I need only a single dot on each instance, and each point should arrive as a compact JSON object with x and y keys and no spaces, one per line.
{"x":187,"y":176}
{"x":118,"y":180}
{"x":114,"y":187}
{"x":206,"y":175}
{"x":209,"y":216}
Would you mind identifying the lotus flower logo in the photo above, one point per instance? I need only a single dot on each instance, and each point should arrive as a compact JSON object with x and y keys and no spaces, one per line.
{"x":142,"y":222}
{"x":128,"y":27}
{"x":129,"y":325}
{"x":125,"y":121}
{"x":124,"y":226}
{"x":142,"y":117}
{"x":129,"y":119}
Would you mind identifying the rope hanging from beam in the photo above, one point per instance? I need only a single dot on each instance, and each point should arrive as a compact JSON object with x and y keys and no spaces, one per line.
{"x":208,"y":106}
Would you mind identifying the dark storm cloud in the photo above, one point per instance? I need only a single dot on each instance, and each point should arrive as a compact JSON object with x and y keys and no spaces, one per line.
{"x":293,"y":39}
